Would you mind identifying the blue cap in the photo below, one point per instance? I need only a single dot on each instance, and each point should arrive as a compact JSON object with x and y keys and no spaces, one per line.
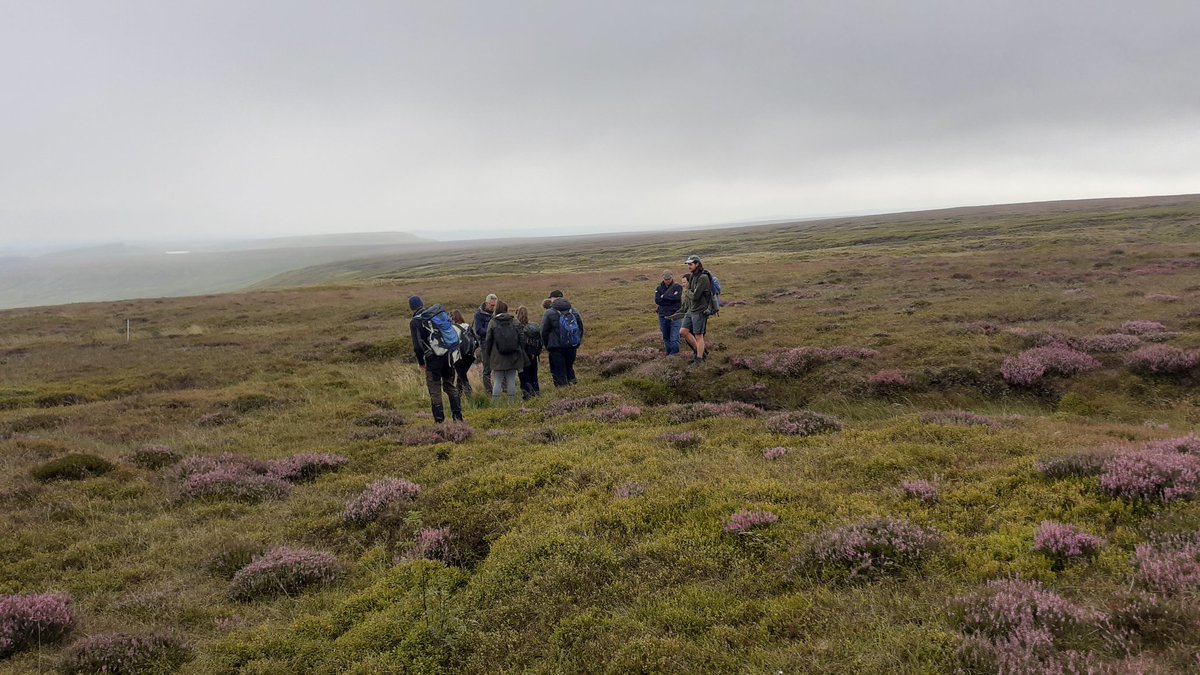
{"x":414,"y":303}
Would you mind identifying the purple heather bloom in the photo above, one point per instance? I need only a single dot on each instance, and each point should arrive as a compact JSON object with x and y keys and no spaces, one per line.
{"x":31,"y":620}
{"x":1064,"y":543}
{"x":682,"y":439}
{"x":874,"y":547}
{"x":1152,"y":476}
{"x":1022,"y":371}
{"x":620,"y":413}
{"x":744,"y":520}
{"x":377,"y":497}
{"x":305,"y":467}
{"x":694,"y":411}
{"x":1170,"y":565}
{"x":284,"y":571}
{"x":572,"y":404}
{"x":799,"y":360}
{"x":122,"y":653}
{"x":1142,"y":327}
{"x":771,"y":454}
{"x":921,"y":490}
{"x":803,"y":423}
{"x":432,"y":543}
{"x":1162,"y":360}
{"x":1106,"y":344}
{"x":958,"y":417}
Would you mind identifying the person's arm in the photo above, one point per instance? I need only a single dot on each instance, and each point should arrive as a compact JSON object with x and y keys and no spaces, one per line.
{"x":660,"y":297}
{"x":485,"y":351}
{"x":546,"y":328}
{"x":674,"y":294}
{"x":414,"y":328}
{"x":702,"y":299}
{"x":579,"y":320}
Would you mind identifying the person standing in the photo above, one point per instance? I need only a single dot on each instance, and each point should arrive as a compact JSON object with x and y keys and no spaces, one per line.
{"x":668,"y":295}
{"x":466,"y":354}
{"x":695,"y":322}
{"x":531,"y":341}
{"x":439,"y":367}
{"x":483,"y":316}
{"x":502,"y":351}
{"x":562,"y":333}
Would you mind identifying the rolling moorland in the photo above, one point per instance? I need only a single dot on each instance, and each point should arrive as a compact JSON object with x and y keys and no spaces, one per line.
{"x":929,"y":442}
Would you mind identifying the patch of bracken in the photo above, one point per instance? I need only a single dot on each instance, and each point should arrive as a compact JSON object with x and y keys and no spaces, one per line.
{"x":569,"y":405}
{"x":744,"y":521}
{"x":377,"y":498}
{"x":306,"y":467}
{"x":679,"y":413}
{"x":284,"y":571}
{"x":958,"y":417}
{"x":153,"y":457}
{"x":803,"y":423}
{"x":28,"y":621}
{"x":873,"y":548}
{"x":1162,"y":360}
{"x":124,"y":654}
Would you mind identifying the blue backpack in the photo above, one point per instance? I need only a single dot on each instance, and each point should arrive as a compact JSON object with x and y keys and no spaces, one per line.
{"x":716,"y":292}
{"x":568,"y":329}
{"x":443,"y":338}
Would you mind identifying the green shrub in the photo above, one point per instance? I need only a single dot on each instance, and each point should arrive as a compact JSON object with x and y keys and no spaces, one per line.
{"x":75,"y":466}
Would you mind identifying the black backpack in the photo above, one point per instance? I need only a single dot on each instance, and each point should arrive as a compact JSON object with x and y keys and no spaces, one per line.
{"x":533,"y":341}
{"x":469,"y":340}
{"x":505,"y":337}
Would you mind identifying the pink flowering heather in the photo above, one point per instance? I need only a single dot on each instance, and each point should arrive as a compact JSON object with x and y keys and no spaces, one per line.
{"x":803,"y":423}
{"x":1106,"y":344}
{"x":958,"y":417}
{"x":306,"y":467}
{"x":1188,"y":445}
{"x":216,"y":419}
{"x":198,"y":464}
{"x":639,"y":355}
{"x":1064,"y":543}
{"x":385,"y":419}
{"x":33,"y":620}
{"x":153,"y":457}
{"x":572,"y":404}
{"x":454,"y":432}
{"x":1162,"y":360}
{"x":431,"y":543}
{"x":873,"y":548}
{"x":889,"y":378}
{"x":799,"y":360}
{"x":498,"y":433}
{"x":694,"y":411}
{"x":284,"y":571}
{"x":744,"y":521}
{"x":1077,"y":465}
{"x":1151,"y":476}
{"x":1019,"y":627}
{"x":1022,"y":371}
{"x":234,"y":482}
{"x":1170,"y":565}
{"x":682,"y":440}
{"x":1060,"y":359}
{"x":772,"y":454}
{"x":1142,"y":327}
{"x":123,"y":653}
{"x":377,"y":497}
{"x":920,"y":490}
{"x":620,"y":413}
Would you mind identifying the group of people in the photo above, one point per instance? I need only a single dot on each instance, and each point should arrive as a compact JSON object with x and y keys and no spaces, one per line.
{"x":509,"y":346}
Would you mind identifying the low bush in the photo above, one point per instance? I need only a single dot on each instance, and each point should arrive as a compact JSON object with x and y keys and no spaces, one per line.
{"x":1063,"y":543}
{"x":873,"y":548}
{"x":431,"y":543}
{"x":772,"y":454}
{"x":920,"y":490}
{"x":803,"y":423}
{"x":385,"y":419}
{"x":32,"y":620}
{"x":1022,"y":371}
{"x":75,"y":466}
{"x":1028,"y":368}
{"x":124,"y":653}
{"x":1077,"y":465}
{"x":227,"y":557}
{"x":1151,"y":476}
{"x":1106,"y":344}
{"x":619,"y":414}
{"x":1162,"y":360}
{"x":545,"y":436}
{"x":233,"y":484}
{"x":799,"y":360}
{"x":568,"y":405}
{"x":1142,"y":327}
{"x":153,"y":457}
{"x":1169,"y":565}
{"x":306,"y":467}
{"x":958,"y":417}
{"x":453,"y":432}
{"x":283,"y":571}
{"x":744,"y":521}
{"x":1188,"y":445}
{"x":682,"y":440}
{"x":216,"y":419}
{"x":887,"y":380}
{"x":377,"y":497}
{"x":680,"y":413}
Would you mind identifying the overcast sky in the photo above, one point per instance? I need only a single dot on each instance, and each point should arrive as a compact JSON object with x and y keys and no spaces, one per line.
{"x":160,"y":119}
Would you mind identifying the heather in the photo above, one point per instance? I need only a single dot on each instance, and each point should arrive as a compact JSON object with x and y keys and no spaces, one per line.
{"x":153,"y":457}
{"x":29,"y":621}
{"x":1064,"y":543}
{"x":124,"y":653}
{"x":1151,"y":476}
{"x":803,"y":423}
{"x":283,"y":571}
{"x":1162,"y":360}
{"x":582,"y":541}
{"x":1031,"y":365}
{"x":800,"y":360}
{"x":921,"y":490}
{"x":1142,"y":327}
{"x":872,"y":548}
{"x":306,"y":467}
{"x":75,"y":466}
{"x":744,"y":521}
{"x":452,"y":432}
{"x":772,"y":454}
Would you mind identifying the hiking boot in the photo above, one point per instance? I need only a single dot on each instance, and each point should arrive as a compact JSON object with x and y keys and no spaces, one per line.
{"x":439,"y":413}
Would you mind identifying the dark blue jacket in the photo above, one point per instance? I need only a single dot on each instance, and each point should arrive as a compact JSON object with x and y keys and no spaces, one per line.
{"x":482,"y":319}
{"x":668,"y":298}
{"x":550,"y":337}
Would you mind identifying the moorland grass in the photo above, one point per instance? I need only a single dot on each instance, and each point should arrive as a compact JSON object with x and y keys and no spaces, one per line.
{"x":577,"y":538}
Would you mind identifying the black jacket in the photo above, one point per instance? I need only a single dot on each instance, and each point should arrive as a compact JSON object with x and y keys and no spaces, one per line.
{"x":550,"y":338}
{"x":702,"y":292}
{"x":668,"y":298}
{"x":482,"y":319}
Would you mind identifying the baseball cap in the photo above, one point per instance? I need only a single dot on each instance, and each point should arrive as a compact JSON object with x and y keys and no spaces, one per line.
{"x":692,"y":259}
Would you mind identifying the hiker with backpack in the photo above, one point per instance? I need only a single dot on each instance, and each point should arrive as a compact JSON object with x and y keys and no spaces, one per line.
{"x":436,"y":344}
{"x":531,"y":340}
{"x":562,"y":333}
{"x":483,"y":316}
{"x":668,"y":295}
{"x":503,"y":352}
{"x":705,"y":302}
{"x":467,"y":352}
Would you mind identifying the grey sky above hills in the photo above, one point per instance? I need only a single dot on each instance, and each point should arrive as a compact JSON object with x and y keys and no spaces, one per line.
{"x":134,"y":120}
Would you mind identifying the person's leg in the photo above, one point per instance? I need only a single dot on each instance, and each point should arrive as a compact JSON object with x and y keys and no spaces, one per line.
{"x":451,"y":388}
{"x":526,"y":386}
{"x":700,"y":353}
{"x":533,"y":377}
{"x":487,"y":376}
{"x":433,"y":384}
{"x":699,"y":328}
{"x":569,"y":354}
{"x":664,"y":325}
{"x":558,"y":369}
{"x":673,"y":345}
{"x":463,"y":380}
{"x":497,"y":383}
{"x":510,"y":378}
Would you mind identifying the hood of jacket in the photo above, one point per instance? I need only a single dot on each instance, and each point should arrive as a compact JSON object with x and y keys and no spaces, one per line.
{"x":561,"y":305}
{"x":503,"y":318}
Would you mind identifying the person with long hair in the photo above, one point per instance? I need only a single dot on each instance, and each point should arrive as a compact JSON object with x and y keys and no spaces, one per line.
{"x":467,"y":354}
{"x":502,"y":352}
{"x":531,"y":341}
